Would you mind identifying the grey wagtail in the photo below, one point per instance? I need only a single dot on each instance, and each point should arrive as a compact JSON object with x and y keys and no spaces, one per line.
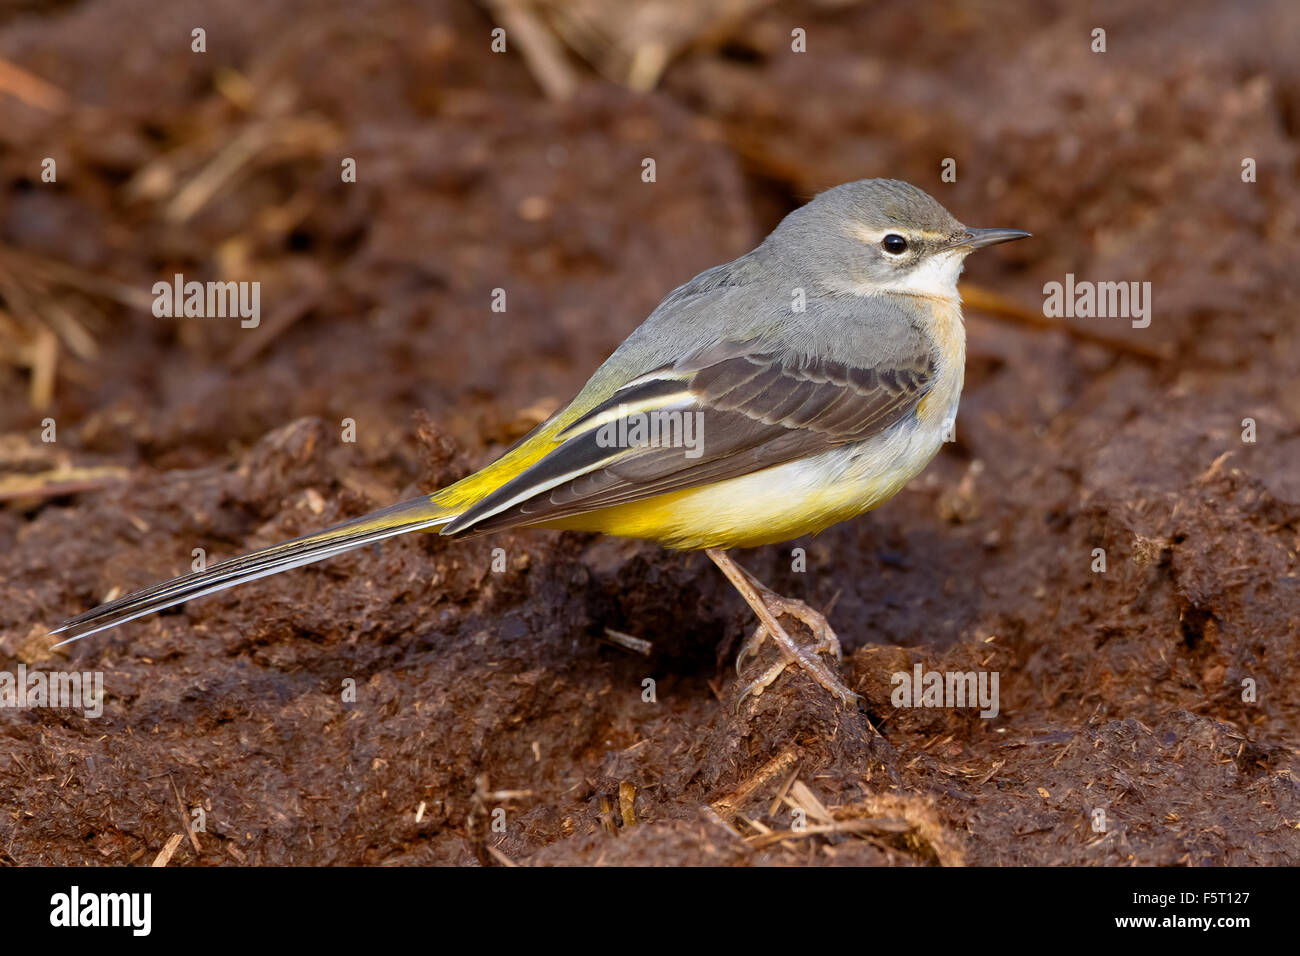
{"x":800,"y":385}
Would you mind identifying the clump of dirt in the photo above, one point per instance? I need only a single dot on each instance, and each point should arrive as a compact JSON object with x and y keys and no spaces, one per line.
{"x":1113,"y":536}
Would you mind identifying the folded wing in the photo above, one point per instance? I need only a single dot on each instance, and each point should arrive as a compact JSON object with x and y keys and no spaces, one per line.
{"x":751,"y":409}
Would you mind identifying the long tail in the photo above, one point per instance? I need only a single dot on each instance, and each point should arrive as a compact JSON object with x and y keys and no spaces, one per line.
{"x":418,"y":514}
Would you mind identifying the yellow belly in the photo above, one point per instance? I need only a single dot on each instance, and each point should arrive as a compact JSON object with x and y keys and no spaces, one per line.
{"x":778,"y":503}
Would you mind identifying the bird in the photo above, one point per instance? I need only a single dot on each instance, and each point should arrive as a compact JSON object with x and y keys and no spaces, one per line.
{"x":797,"y":386}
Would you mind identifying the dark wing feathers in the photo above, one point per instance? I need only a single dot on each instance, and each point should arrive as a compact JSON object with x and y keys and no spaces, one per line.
{"x":759,"y":409}
{"x":839,"y":400}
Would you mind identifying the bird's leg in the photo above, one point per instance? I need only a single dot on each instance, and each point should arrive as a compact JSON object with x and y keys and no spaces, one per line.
{"x":769,"y":606}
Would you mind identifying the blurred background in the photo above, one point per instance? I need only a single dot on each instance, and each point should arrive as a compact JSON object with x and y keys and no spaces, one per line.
{"x":522,"y":170}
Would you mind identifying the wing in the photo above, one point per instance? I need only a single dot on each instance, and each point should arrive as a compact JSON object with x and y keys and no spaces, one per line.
{"x":727,"y":410}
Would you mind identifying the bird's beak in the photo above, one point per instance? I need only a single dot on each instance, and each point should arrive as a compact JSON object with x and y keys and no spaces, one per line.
{"x":979,"y":238}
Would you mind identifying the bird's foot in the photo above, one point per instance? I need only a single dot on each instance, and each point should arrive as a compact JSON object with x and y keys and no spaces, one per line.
{"x":826,"y":639}
{"x":770,"y":606}
{"x":806,"y":657}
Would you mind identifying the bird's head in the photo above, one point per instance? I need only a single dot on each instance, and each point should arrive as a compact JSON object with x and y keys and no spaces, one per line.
{"x":878,"y":236}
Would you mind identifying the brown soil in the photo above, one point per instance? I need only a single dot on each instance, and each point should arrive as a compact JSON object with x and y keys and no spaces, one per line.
{"x":1121,"y":691}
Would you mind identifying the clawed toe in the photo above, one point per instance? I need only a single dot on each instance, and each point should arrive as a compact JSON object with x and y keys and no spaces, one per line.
{"x":770,"y":606}
{"x":825,"y":641}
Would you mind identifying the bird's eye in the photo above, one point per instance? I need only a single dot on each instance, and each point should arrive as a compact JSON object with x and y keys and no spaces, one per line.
{"x":894,"y":244}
